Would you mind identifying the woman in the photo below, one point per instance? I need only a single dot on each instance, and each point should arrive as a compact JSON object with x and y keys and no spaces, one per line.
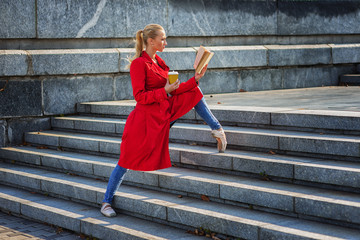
{"x":145,"y":140}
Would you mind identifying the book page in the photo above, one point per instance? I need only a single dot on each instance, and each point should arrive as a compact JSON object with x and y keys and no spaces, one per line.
{"x":199,"y":55}
{"x":204,"y":60}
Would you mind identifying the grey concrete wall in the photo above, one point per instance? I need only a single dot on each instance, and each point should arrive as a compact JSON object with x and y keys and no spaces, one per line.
{"x":64,"y":19}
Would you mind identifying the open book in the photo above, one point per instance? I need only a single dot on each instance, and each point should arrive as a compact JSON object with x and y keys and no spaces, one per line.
{"x":202,"y":58}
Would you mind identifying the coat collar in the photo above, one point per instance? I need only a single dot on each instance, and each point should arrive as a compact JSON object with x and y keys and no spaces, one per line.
{"x":162,"y":71}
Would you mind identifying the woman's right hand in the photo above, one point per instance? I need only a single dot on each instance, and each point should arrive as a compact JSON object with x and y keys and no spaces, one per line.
{"x":171,"y":87}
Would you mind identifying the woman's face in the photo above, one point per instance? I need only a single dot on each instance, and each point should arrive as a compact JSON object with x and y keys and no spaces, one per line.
{"x":159,"y":42}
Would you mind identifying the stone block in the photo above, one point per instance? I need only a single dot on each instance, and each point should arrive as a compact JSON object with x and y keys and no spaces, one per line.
{"x":145,"y":178}
{"x":268,"y":165}
{"x":238,"y":56}
{"x":335,"y":120}
{"x":216,"y":218}
{"x":252,"y":138}
{"x":21,"y":155}
{"x":95,"y":125}
{"x":206,"y":159}
{"x":174,"y":155}
{"x":61,"y":94}
{"x":8,"y":203}
{"x":206,"y":18}
{"x":13,"y":62}
{"x":306,"y":77}
{"x":144,"y":203}
{"x":179,"y":58}
{"x":87,"y":144}
{"x":328,"y":172}
{"x":67,"y":163}
{"x":125,"y":54}
{"x":3,"y":135}
{"x":318,"y":17}
{"x":60,"y":122}
{"x":123,"y":89}
{"x":104,"y":169}
{"x":105,"y":19}
{"x":259,"y":80}
{"x":17,"y":19}
{"x":112,"y":147}
{"x":346,"y":53}
{"x":18,"y":127}
{"x":244,"y":115}
{"x":257,"y":193}
{"x":189,"y":183}
{"x":36,"y":137}
{"x":112,"y":108}
{"x":21,"y":97}
{"x":199,"y":133}
{"x":345,"y":208}
{"x":74,"y":61}
{"x":19,"y":178}
{"x":292,"y":228}
{"x":52,"y":214}
{"x":66,"y":187}
{"x":216,"y":81}
{"x":320,"y":145}
{"x":290,"y":55}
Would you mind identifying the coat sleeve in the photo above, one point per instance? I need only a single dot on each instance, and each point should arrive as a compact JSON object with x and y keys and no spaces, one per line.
{"x":185,"y":86}
{"x":138,"y":77}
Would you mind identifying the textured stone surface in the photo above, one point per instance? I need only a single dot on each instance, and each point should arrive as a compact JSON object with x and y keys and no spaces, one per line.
{"x":315,"y":119}
{"x":202,"y":18}
{"x":346,"y":208}
{"x":330,"y":172}
{"x":103,"y":19}
{"x":218,"y":81}
{"x":298,"y":55}
{"x":18,"y":127}
{"x":3,"y":138}
{"x":123,"y":88}
{"x":179,"y":58}
{"x":13,"y":63}
{"x":21,"y":97}
{"x":17,"y":19}
{"x":74,"y":61}
{"x":238,"y":56}
{"x":343,"y":146}
{"x":236,"y":115}
{"x":345,"y":53}
{"x":259,"y":80}
{"x":61,"y":94}
{"x":318,"y":17}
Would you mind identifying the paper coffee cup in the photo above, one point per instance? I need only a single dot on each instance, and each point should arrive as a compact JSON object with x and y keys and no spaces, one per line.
{"x":173,"y":76}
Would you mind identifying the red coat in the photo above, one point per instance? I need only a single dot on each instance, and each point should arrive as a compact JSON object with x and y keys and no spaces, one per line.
{"x":145,"y":140}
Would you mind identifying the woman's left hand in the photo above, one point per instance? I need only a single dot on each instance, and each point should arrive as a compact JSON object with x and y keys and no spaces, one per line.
{"x":200,"y":75}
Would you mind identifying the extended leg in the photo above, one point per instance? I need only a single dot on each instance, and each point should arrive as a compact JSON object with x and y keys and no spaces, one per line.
{"x":115,"y":180}
{"x":217,"y":132}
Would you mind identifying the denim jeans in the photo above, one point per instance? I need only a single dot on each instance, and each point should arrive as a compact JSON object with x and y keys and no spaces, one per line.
{"x":118,"y":173}
{"x":115,"y":180}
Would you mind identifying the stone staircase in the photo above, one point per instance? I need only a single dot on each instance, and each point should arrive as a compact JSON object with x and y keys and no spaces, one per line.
{"x":285,"y":176}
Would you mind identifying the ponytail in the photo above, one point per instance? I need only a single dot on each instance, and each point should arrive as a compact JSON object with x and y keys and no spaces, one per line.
{"x":141,"y":37}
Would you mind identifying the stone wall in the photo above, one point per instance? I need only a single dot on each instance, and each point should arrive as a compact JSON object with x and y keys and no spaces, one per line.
{"x":78,"y":24}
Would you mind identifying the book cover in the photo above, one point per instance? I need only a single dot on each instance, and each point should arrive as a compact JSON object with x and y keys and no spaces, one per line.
{"x":203,"y":57}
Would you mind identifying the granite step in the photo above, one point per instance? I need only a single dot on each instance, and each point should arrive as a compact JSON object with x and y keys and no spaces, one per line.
{"x":238,"y":137}
{"x":82,"y":218}
{"x":285,"y":199}
{"x":328,"y":173}
{"x":270,"y":196}
{"x":171,"y":209}
{"x":233,"y":114}
{"x":350,"y":80}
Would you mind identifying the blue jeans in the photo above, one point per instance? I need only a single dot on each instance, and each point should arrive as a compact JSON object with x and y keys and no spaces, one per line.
{"x":118,"y":173}
{"x":115,"y":180}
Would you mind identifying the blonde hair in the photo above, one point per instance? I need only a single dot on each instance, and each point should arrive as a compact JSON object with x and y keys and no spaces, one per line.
{"x":141,"y":37}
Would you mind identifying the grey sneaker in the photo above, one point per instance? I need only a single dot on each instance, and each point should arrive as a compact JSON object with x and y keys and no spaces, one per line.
{"x":107,"y":210}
